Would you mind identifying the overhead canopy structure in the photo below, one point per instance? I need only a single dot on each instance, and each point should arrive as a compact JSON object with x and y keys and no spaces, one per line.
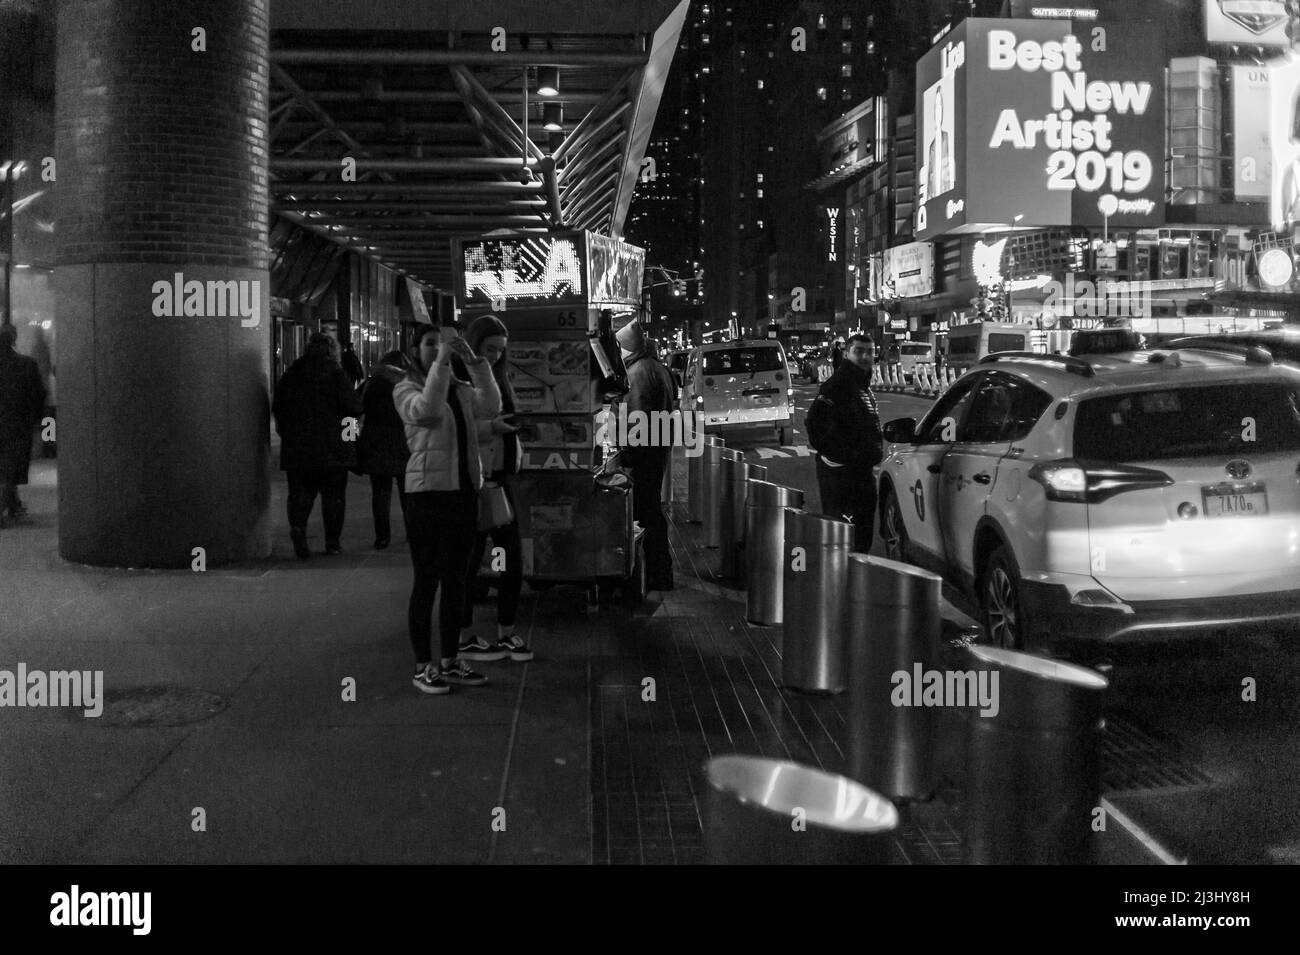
{"x":398,"y":124}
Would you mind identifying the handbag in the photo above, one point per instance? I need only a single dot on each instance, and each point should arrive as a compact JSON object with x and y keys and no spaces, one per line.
{"x":494,"y":508}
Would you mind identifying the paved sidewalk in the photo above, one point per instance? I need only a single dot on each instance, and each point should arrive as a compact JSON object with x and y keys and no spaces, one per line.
{"x":225,"y":693}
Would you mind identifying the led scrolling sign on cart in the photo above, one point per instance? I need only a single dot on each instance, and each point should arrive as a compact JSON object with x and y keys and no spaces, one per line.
{"x":1040,"y":119}
{"x":570,"y":268}
{"x":522,"y":270}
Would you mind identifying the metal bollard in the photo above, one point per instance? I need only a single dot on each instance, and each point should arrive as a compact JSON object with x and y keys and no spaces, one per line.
{"x":894,"y":625}
{"x":733,"y":471}
{"x":1033,"y":770}
{"x":733,"y":545}
{"x":765,"y":549}
{"x":715,"y":523}
{"x":695,"y":493}
{"x":666,"y":487}
{"x":771,"y":812}
{"x":815,"y":569}
{"x":713,"y":491}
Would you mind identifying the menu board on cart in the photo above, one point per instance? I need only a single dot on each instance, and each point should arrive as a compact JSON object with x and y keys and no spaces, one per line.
{"x":551,"y":377}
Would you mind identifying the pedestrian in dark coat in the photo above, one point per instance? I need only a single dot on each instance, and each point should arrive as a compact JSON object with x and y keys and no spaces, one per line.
{"x":382,"y":451}
{"x":317,"y":445}
{"x":650,"y":388}
{"x":352,"y":365}
{"x":22,"y":402}
{"x":843,"y":427}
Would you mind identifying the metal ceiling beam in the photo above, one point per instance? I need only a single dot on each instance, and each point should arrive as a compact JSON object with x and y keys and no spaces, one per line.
{"x":485,"y":164}
{"x":473,"y":90}
{"x":349,"y":206}
{"x":599,"y":189}
{"x":591,"y":138}
{"x":432,"y":127}
{"x":428,"y":220}
{"x":464,"y":79}
{"x":608,"y":102}
{"x":304,"y":100}
{"x":649,"y":92}
{"x":446,"y":96}
{"x":380,"y":57}
{"x":414,"y":187}
{"x":575,"y":173}
{"x":508,"y":141}
{"x":361,"y":248}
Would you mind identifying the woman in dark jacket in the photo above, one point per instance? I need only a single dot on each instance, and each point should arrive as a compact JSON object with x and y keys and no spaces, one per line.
{"x":500,"y":452}
{"x":317,"y":448}
{"x":382,"y":451}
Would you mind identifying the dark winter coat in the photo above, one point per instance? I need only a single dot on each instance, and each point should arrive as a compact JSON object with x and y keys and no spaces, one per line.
{"x":310,"y":404}
{"x":843,"y":423}
{"x":22,"y":402}
{"x":650,"y":388}
{"x":382,"y":448}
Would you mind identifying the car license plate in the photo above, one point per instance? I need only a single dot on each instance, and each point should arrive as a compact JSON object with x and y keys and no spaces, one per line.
{"x":761,"y":400}
{"x":1240,"y":500}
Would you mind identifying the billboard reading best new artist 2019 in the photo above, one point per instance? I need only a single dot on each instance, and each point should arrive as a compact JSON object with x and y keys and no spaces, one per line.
{"x":1040,"y":119}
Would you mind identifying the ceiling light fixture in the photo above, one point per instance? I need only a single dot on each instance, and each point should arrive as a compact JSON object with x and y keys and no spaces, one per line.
{"x":548,"y":81}
{"x":553,"y":117}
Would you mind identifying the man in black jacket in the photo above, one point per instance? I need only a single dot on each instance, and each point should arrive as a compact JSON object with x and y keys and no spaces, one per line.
{"x":843,"y":426}
{"x":650,"y":389}
{"x":311,"y":402}
{"x":22,"y":402}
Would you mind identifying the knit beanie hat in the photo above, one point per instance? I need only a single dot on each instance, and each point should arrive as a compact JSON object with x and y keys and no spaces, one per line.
{"x":631,"y":337}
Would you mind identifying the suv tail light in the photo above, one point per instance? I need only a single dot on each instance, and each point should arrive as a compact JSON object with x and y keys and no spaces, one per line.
{"x":1092,"y":482}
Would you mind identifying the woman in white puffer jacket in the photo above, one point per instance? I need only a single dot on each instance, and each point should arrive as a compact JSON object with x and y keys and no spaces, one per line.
{"x":446,"y":420}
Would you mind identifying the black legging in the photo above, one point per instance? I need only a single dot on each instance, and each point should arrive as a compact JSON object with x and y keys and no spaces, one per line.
{"x":441,"y":527}
{"x":512,"y":577}
{"x":381,"y":501}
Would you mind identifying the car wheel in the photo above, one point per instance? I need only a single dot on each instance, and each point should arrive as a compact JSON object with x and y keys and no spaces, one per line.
{"x":1004,"y":622}
{"x":893,"y":532}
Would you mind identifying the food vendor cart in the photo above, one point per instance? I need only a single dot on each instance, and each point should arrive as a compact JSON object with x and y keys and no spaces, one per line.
{"x":560,"y":295}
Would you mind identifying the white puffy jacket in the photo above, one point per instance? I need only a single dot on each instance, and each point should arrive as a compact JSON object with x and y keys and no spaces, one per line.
{"x":431,"y":427}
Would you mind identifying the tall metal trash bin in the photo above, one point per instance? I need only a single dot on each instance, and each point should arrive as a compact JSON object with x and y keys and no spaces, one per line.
{"x":737,"y":475}
{"x":714,"y":492}
{"x":815,"y":604}
{"x":765,"y":548}
{"x":1033,"y":772}
{"x":754,"y":818}
{"x":695,"y":493}
{"x":895,"y":620}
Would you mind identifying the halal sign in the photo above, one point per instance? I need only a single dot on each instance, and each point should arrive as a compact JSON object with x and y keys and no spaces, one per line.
{"x":1256,"y":16}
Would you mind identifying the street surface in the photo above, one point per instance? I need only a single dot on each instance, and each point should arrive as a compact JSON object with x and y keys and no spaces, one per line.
{"x":1215,"y":778}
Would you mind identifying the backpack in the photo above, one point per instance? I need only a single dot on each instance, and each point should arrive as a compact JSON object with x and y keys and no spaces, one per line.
{"x":819,"y":425}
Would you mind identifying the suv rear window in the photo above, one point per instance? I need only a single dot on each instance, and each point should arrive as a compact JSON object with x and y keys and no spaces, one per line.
{"x":1188,"y":422}
{"x":735,"y":361}
{"x":916,"y":349}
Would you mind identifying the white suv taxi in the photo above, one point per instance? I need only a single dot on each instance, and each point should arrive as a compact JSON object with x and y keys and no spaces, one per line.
{"x":741,"y":387}
{"x":1106,"y":498}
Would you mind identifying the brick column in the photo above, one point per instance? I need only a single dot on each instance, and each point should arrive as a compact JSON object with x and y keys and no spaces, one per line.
{"x":162,"y":182}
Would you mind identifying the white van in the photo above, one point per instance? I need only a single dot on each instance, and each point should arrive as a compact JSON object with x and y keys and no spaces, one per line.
{"x":967,"y":344}
{"x":911,"y":354}
{"x":741,"y":386}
